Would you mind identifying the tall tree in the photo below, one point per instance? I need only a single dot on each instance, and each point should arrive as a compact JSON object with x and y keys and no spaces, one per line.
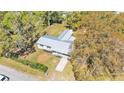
{"x":51,"y":17}
{"x":23,"y":29}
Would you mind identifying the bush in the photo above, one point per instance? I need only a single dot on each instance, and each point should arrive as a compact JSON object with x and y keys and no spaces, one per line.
{"x":33,"y":65}
{"x":98,"y":55}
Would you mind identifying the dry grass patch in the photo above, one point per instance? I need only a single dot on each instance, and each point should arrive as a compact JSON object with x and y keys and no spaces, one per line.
{"x":66,"y":75}
{"x":43,"y":57}
{"x":23,"y":68}
{"x":55,"y":29}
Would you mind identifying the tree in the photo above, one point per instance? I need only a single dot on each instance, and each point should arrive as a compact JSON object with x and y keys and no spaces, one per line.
{"x":22,"y":30}
{"x":98,"y":48}
{"x":51,"y":17}
{"x":73,"y":20}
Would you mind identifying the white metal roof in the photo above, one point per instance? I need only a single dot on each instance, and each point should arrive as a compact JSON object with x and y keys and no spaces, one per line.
{"x":72,"y":38}
{"x":55,"y":44}
{"x":1,"y":76}
{"x":62,"y":34}
{"x":66,"y":35}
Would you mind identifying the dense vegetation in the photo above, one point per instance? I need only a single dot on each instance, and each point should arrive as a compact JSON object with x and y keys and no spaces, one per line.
{"x":20,"y":30}
{"x":99,"y":45}
{"x":98,"y":49}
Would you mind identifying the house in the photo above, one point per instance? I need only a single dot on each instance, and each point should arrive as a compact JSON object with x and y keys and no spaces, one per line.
{"x":60,"y":46}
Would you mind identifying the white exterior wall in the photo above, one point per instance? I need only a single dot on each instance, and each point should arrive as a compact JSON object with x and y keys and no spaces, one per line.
{"x":40,"y":47}
{"x":44,"y":47}
{"x":60,"y":55}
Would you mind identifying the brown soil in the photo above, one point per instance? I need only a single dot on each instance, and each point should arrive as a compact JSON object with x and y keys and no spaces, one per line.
{"x":43,"y":57}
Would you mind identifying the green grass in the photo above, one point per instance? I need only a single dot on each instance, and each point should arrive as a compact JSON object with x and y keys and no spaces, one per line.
{"x":51,"y":61}
{"x":55,"y":29}
{"x":23,"y":68}
{"x":33,"y":56}
{"x":32,"y":64}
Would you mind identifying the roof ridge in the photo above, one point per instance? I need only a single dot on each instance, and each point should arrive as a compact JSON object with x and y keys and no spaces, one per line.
{"x":51,"y":37}
{"x":62,"y":35}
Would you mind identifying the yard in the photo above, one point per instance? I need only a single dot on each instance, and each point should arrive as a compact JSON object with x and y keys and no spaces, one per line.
{"x":45,"y":58}
{"x":51,"y":62}
{"x":23,"y":68}
{"x":55,"y":29}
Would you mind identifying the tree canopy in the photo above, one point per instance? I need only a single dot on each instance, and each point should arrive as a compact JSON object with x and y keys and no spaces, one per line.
{"x":99,"y":46}
{"x":98,"y":49}
{"x":20,"y":30}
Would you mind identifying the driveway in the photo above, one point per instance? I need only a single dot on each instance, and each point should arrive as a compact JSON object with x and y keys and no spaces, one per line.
{"x":63,"y":61}
{"x":15,"y":75}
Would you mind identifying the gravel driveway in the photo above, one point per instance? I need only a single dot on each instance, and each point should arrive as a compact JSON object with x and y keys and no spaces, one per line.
{"x":63,"y":61}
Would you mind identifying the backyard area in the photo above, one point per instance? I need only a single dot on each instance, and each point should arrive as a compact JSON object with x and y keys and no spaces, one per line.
{"x":51,"y":62}
{"x":45,"y":58}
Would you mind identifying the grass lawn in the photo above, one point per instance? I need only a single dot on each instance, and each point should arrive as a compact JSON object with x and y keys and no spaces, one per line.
{"x":55,"y":29}
{"x":51,"y":62}
{"x":23,"y":68}
{"x":65,"y":75}
{"x":45,"y":58}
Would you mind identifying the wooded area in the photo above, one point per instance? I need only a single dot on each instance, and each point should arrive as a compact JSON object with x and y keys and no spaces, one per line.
{"x":99,"y":45}
{"x":20,"y":30}
{"x":98,"y":49}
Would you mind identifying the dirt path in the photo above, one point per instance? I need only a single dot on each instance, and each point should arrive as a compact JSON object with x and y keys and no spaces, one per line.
{"x":43,"y":57}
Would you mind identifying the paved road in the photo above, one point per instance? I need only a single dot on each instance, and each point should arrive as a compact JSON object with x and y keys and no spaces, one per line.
{"x":15,"y":75}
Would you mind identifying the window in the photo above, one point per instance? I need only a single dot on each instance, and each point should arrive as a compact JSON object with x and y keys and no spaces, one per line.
{"x":41,"y":45}
{"x":48,"y":47}
{"x":61,"y":53}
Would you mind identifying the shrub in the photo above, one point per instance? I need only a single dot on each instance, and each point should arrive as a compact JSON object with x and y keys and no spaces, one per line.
{"x":33,"y":65}
{"x":98,"y":56}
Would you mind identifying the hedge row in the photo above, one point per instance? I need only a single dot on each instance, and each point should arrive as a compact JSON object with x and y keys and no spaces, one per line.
{"x":34,"y":65}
